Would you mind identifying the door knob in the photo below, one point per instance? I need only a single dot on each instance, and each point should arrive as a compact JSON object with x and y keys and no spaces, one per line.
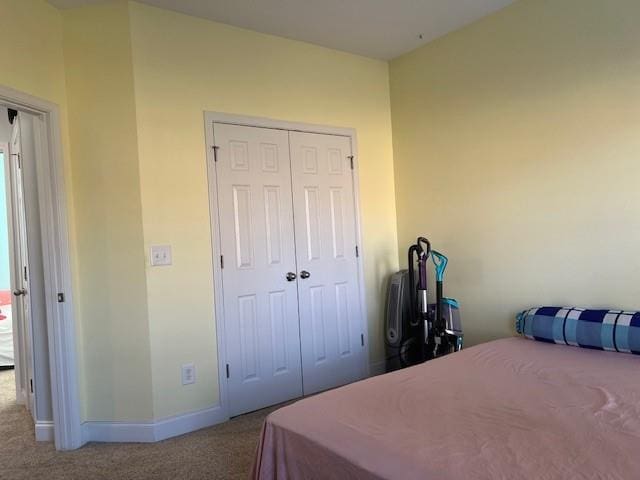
{"x":291,"y":277}
{"x":20,"y":292}
{"x":304,"y":274}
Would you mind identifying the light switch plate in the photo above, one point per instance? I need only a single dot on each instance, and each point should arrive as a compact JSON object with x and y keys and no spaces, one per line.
{"x":160,"y":255}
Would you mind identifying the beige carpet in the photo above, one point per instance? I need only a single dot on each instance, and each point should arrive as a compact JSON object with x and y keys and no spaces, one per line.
{"x":221,"y":452}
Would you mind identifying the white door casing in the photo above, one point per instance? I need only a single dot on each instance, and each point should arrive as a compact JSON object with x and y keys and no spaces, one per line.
{"x":331,"y":320}
{"x":257,"y":244}
{"x":360,"y":335}
{"x":66,"y":427}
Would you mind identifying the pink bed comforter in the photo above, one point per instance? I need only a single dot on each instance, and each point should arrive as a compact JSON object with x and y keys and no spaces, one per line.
{"x":508,"y":409}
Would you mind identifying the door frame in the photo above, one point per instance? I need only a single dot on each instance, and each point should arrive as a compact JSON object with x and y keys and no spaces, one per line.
{"x":248,"y":121}
{"x":61,"y":329}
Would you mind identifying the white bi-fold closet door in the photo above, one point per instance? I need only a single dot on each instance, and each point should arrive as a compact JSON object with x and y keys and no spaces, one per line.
{"x":293,"y":317}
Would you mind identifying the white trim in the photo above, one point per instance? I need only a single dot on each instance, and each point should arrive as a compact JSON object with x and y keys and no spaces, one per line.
{"x":149,"y":432}
{"x":217,"y":273}
{"x":118,"y":432}
{"x":44,"y":431}
{"x":57,"y":270}
{"x":217,"y":117}
{"x":248,"y":121}
{"x":359,"y":239}
{"x":188,"y":422}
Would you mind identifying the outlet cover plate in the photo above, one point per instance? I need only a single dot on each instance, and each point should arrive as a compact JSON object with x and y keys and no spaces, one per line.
{"x":160,"y":255}
{"x":188,"y":374}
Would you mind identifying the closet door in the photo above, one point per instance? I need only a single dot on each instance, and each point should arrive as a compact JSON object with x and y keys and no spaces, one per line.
{"x":331,"y":323}
{"x":258,"y":276}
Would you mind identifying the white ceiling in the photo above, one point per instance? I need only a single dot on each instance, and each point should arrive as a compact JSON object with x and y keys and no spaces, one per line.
{"x":380,"y":29}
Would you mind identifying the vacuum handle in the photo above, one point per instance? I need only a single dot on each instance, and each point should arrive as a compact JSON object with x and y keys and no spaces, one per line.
{"x":440,"y":261}
{"x":422,"y":240}
{"x":423,"y":258}
{"x":413,"y":250}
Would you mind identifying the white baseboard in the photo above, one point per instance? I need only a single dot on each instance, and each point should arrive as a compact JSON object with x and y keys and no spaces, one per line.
{"x":44,"y":431}
{"x":189,"y":422}
{"x":377,"y":368}
{"x":153,"y":431}
{"x":118,"y":432}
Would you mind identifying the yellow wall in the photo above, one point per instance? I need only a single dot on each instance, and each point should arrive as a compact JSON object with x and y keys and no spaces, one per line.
{"x":112,"y":297}
{"x":135,"y":82}
{"x":94,"y":73}
{"x":31,"y":49}
{"x":32,"y":62}
{"x":184,"y":66}
{"x":516,"y":151}
{"x":515,"y":144}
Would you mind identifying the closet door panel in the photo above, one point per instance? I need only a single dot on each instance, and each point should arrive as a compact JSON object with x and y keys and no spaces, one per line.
{"x":257,"y":241}
{"x":331,"y":323}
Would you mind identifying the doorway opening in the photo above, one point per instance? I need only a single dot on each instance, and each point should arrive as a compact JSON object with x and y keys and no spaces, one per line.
{"x":23,"y":331}
{"x":7,"y":382}
{"x":37,"y":334}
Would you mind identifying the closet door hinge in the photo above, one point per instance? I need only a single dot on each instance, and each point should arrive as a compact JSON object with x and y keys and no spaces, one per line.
{"x":221,"y":261}
{"x":357,"y":252}
{"x":362,"y":339}
{"x":31,"y":384}
{"x":18,"y":156}
{"x":350,"y":157}
{"x":60,"y":297}
{"x":215,"y":152}
{"x":25,"y":273}
{"x":227,"y":370}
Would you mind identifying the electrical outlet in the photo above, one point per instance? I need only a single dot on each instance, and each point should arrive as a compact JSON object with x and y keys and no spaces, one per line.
{"x":160,"y":255}
{"x":188,"y":374}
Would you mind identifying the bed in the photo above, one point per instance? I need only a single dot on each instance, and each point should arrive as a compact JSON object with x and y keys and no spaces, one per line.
{"x":6,"y":330}
{"x":507,"y":409}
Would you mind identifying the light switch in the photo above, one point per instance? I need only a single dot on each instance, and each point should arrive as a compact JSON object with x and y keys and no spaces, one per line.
{"x":160,"y":255}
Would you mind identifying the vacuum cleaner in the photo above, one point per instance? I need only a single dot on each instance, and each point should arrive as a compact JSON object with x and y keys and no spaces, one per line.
{"x":415,"y":330}
{"x":447,"y":328}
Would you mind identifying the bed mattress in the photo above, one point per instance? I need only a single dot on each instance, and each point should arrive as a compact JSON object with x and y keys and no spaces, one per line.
{"x":508,"y":409}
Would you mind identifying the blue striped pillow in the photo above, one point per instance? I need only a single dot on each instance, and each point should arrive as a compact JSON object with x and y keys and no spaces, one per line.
{"x":613,"y":330}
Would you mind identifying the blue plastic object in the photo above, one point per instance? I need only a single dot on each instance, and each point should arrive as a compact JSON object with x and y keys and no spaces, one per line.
{"x":452,"y":302}
{"x":440,"y":261}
